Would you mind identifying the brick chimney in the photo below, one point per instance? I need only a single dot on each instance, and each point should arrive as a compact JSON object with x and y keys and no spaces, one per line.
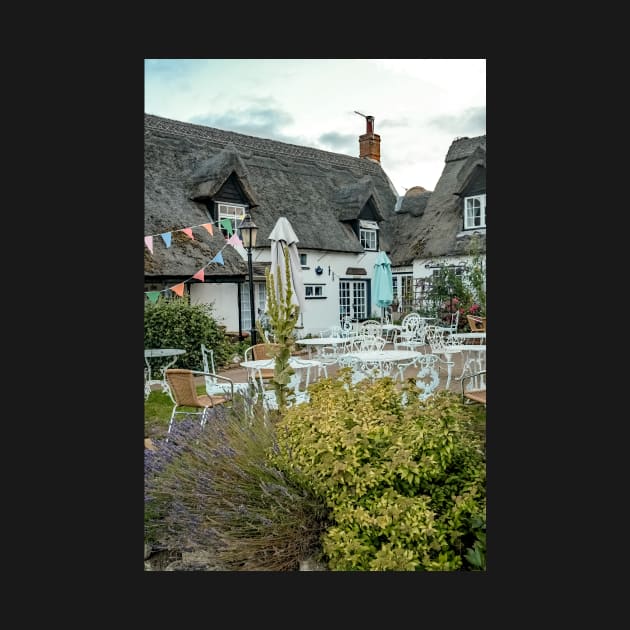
{"x":370,"y":142}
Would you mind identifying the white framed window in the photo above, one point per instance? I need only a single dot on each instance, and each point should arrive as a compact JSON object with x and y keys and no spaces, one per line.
{"x":234,"y":213}
{"x":368,"y":238}
{"x":303,"y":260}
{"x":475,"y":212}
{"x":353,"y":299}
{"x":367,"y":234}
{"x":313,"y":290}
{"x":260,"y":302}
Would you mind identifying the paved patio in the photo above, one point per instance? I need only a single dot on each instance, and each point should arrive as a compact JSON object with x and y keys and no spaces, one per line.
{"x":239,"y":374}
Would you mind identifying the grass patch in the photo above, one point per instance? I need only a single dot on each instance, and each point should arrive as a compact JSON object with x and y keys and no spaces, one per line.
{"x":157,"y":411}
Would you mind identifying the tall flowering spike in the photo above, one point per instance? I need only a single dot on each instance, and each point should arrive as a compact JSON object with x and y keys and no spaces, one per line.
{"x":283,"y":315}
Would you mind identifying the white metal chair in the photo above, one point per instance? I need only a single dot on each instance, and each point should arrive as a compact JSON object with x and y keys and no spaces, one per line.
{"x":347,"y":327}
{"x":437,"y":337}
{"x":412,"y":332}
{"x":427,"y":378}
{"x":213,"y":386}
{"x":369,"y":343}
{"x":474,"y":388}
{"x":183,"y":393}
{"x":452,"y":322}
{"x":370,"y":327}
{"x":298,"y":393}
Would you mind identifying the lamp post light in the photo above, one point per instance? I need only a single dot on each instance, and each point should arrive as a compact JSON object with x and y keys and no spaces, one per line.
{"x":248,"y":235}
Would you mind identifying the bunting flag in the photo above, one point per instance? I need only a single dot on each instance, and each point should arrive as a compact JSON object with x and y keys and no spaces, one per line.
{"x":188,"y":232}
{"x":235,"y":241}
{"x":148,"y":241}
{"x":226,"y":224}
{"x":199,"y":275}
{"x":218,"y":258}
{"x":166,"y":237}
{"x":178,"y":288}
{"x":153,"y":295}
{"x":208,"y":227}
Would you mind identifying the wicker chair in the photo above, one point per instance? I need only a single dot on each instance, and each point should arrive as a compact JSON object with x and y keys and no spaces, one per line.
{"x":183,"y":393}
{"x":477,"y":324}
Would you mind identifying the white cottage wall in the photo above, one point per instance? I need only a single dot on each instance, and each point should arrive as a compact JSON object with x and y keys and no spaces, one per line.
{"x":224,"y":298}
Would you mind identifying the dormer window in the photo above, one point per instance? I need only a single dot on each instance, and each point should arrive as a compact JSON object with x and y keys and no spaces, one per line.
{"x":367,"y":234}
{"x":475,"y":212}
{"x":235,"y":213}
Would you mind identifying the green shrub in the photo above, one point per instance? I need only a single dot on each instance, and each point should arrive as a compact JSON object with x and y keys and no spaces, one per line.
{"x":215,"y":490}
{"x":175,"y":323}
{"x":405,"y":484}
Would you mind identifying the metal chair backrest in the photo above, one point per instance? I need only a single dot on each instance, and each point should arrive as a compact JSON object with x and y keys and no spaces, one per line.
{"x":207,"y":357}
{"x":452,"y":322}
{"x":370,"y":327}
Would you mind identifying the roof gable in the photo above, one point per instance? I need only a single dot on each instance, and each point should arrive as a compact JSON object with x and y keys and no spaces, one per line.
{"x":213,"y":172}
{"x":353,"y":198}
{"x":438,"y":230}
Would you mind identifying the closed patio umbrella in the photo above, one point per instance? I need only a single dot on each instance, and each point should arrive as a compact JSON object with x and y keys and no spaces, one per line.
{"x":283,"y":234}
{"x":382,"y":282}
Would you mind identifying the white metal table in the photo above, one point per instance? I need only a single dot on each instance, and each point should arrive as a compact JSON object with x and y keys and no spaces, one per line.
{"x":254,"y":367}
{"x":159,"y":353}
{"x":381,"y":362}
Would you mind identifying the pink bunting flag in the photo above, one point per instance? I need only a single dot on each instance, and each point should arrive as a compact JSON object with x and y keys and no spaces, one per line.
{"x":178,"y":288}
{"x":235,"y":241}
{"x":208,"y":227}
{"x":199,"y":275}
{"x":188,"y":232}
{"x":148,"y":241}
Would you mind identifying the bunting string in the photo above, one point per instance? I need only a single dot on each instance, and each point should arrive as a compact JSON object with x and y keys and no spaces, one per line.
{"x":224,"y":223}
{"x":178,"y":289}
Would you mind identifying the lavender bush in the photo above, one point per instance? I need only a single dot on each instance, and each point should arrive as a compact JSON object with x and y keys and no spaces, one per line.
{"x":215,"y":490}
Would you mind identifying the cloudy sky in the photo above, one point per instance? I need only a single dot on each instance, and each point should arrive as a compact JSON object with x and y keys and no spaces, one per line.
{"x":419,"y":105}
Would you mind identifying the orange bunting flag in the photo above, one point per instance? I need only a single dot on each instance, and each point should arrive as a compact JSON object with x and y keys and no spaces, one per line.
{"x":199,"y":275}
{"x":188,"y":232}
{"x":148,"y":241}
{"x":208,"y":227}
{"x":178,"y":288}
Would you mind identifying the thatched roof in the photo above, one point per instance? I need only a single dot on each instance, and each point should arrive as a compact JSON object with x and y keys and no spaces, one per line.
{"x":317,"y":191}
{"x":430,"y":224}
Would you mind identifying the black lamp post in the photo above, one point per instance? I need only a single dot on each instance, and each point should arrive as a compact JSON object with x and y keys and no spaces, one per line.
{"x":248,"y":235}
